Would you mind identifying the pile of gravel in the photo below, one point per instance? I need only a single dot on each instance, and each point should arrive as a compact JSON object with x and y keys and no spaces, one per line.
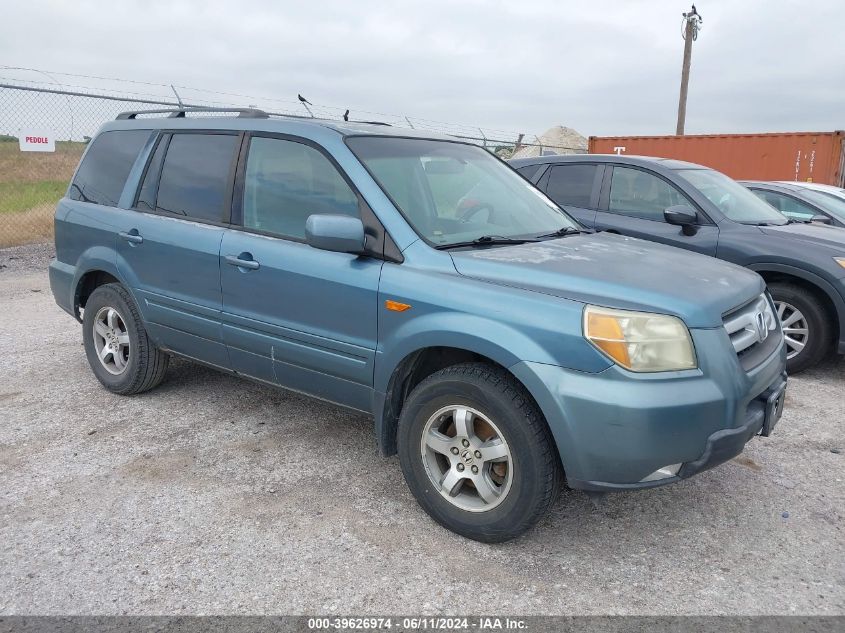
{"x":555,"y":140}
{"x":27,"y":258}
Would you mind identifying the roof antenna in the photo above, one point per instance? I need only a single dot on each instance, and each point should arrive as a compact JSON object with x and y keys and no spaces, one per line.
{"x":178,"y":98}
{"x":346,"y":115}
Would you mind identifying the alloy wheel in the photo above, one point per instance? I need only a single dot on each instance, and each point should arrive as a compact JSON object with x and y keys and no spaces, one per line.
{"x":467,"y":458}
{"x":111,"y":340}
{"x":796,"y":333}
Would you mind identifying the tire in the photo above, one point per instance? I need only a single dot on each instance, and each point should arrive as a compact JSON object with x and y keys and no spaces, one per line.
{"x":132,"y":363}
{"x":812,"y":329}
{"x":502,"y":418}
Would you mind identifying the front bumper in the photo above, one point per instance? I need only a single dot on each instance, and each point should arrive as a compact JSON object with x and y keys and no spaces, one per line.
{"x":720,"y":447}
{"x":615,"y":428}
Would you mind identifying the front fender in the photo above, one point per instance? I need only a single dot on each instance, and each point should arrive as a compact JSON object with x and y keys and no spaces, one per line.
{"x":503,"y":323}
{"x":506,"y":325}
{"x":831,"y":291}
{"x":396,"y":357}
{"x":501,"y":342}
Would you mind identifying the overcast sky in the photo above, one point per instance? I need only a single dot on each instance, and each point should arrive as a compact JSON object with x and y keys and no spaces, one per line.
{"x":600,"y":67}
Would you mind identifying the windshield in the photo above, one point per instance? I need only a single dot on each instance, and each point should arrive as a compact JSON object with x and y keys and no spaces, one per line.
{"x":734,"y":200}
{"x":452,"y":193}
{"x":830,"y":202}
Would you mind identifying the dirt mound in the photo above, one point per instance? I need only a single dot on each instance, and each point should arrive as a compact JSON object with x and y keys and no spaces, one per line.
{"x":556,"y":140}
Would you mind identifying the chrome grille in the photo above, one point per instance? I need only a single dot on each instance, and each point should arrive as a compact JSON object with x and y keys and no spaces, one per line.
{"x":751,"y":325}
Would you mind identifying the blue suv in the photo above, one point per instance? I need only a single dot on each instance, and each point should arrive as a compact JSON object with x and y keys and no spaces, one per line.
{"x":501,"y":348}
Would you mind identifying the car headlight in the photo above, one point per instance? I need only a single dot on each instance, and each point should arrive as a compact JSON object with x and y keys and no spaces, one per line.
{"x":640,"y":341}
{"x":840,"y":261}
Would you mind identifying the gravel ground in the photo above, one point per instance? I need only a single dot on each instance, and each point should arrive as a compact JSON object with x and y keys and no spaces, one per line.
{"x":215,"y":495}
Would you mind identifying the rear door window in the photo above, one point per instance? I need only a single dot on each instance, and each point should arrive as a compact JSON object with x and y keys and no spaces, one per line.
{"x":285,"y":182}
{"x":572,"y":185}
{"x":787,"y":205}
{"x":195,"y":176}
{"x":102,"y":175}
{"x":640,"y":194}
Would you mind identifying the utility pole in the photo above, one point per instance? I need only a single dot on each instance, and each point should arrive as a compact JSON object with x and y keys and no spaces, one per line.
{"x":692,"y":25}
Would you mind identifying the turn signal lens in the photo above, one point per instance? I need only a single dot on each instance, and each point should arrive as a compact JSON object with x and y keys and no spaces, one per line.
{"x":640,"y":341}
{"x":396,"y":306}
{"x":840,"y":261}
{"x":606,"y":333}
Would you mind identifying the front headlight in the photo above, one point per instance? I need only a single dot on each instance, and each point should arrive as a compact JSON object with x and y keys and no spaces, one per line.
{"x":640,"y":341}
{"x":840,"y":261}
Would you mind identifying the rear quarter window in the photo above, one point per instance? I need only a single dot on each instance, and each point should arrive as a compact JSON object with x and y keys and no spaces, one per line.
{"x":572,"y":184}
{"x":529,"y":171}
{"x":102,"y":175}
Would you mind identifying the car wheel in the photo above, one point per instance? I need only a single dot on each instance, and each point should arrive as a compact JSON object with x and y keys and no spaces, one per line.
{"x":477,"y":454}
{"x":805,"y":323}
{"x":119,"y":351}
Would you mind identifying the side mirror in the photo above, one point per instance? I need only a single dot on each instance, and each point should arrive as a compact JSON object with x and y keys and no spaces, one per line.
{"x":680,"y":215}
{"x":821,"y":219}
{"x":337,"y":233}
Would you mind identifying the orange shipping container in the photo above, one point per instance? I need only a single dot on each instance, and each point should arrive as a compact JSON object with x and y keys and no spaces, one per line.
{"x":805,"y":156}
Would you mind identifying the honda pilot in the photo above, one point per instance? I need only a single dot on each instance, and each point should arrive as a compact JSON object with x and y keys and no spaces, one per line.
{"x":501,"y":348}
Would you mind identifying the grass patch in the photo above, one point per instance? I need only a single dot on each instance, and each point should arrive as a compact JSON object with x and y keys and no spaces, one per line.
{"x":25,"y":227}
{"x":18,"y":166}
{"x":20,"y":196}
{"x":31,"y":183}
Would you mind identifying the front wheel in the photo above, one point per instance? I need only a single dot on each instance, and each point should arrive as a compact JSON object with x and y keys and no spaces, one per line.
{"x":806,"y":325}
{"x":477,"y":453}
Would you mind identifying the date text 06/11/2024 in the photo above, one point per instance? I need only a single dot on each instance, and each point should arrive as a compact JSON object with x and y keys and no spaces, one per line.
{"x":417,"y":623}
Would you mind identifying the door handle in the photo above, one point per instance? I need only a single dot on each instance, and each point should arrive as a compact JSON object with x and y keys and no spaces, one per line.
{"x":132,"y":236}
{"x":241,"y":262}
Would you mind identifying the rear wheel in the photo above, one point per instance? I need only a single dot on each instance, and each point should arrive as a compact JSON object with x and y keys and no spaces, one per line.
{"x":119,"y":351}
{"x":477,"y":453}
{"x":806,"y":325}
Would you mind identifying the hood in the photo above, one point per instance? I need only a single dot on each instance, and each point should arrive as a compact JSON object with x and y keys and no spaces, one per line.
{"x":620,"y":272}
{"x":817,"y":234}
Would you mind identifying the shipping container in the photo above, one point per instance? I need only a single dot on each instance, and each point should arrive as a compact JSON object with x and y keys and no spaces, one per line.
{"x":802,"y":156}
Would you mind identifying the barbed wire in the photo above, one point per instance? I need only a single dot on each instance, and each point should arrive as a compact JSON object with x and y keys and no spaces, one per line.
{"x":32,"y":182}
{"x":486,"y":137}
{"x":335,"y":111}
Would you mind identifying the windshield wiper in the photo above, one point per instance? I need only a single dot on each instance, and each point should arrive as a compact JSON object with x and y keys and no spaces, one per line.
{"x":564,"y":231}
{"x":487,"y":240}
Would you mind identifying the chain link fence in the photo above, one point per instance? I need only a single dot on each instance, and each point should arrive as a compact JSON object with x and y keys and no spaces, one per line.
{"x":31,"y":183}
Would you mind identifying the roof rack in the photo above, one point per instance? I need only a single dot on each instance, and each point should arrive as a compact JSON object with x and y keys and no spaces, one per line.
{"x":179,"y":113}
{"x":245,"y":113}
